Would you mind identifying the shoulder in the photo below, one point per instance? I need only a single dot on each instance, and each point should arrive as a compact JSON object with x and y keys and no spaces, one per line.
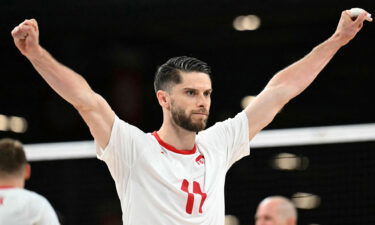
{"x":33,"y":196}
{"x":126,"y":128}
{"x":238,"y":121}
{"x":124,"y":133}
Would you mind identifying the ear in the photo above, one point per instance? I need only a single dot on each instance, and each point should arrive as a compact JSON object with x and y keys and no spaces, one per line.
{"x":163,"y":99}
{"x":27,"y":172}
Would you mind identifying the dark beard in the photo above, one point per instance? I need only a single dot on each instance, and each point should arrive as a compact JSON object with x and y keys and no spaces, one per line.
{"x":180,"y":118}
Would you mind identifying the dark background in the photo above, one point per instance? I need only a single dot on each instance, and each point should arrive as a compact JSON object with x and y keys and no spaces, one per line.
{"x":117,"y":45}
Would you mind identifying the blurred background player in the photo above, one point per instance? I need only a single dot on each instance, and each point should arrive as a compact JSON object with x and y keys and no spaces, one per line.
{"x":19,"y":206}
{"x":276,"y":210}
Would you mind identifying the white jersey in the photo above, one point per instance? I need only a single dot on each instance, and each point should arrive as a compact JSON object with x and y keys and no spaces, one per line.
{"x":22,"y":207}
{"x":160,"y":185}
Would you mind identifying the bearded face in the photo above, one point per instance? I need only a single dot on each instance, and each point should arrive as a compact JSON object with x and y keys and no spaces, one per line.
{"x":192,"y":121}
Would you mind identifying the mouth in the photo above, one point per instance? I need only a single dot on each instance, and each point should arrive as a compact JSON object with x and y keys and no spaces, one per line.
{"x":199,"y":116}
{"x":202,"y":114}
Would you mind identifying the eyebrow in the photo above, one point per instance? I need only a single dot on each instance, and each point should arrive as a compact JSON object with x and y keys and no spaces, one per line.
{"x":195,"y":89}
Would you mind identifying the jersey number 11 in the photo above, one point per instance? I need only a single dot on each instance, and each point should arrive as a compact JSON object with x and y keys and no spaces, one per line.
{"x":190,"y":197}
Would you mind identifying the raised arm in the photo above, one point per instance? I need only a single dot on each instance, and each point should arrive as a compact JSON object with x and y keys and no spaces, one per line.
{"x":96,"y":112}
{"x":295,"y":78}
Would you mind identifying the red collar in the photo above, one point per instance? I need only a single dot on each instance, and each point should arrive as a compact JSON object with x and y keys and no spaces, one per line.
{"x":173,"y":149}
{"x":6,"y":186}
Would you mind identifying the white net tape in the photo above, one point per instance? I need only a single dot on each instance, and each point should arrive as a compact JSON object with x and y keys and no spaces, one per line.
{"x":266,"y":138}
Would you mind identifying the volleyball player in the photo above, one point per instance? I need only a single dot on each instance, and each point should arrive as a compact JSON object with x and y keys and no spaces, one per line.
{"x":18,"y":205}
{"x":176,"y":174}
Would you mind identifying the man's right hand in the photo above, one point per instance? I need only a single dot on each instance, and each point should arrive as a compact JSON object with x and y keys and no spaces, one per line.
{"x":26,"y":38}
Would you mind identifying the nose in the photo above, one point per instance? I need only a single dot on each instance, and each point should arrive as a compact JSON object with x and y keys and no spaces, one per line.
{"x":203,"y":101}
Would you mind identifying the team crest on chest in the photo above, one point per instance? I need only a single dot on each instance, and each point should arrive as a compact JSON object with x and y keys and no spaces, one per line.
{"x":200,"y":160}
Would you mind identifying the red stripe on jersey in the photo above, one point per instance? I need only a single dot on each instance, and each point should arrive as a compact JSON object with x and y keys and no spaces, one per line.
{"x":173,"y":149}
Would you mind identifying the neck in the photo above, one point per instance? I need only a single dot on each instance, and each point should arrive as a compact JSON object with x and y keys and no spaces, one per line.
{"x":176,"y":136}
{"x":12,"y":182}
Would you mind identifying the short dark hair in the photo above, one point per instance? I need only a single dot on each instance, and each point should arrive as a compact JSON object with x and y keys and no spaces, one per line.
{"x":12,"y":156}
{"x":169,"y":73}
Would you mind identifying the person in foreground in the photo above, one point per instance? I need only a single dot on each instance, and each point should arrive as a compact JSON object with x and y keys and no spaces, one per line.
{"x":176,"y":175}
{"x":18,"y":205}
{"x":276,"y":210}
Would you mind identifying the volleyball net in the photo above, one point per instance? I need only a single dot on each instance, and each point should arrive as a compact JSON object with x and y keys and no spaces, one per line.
{"x":265,"y":139}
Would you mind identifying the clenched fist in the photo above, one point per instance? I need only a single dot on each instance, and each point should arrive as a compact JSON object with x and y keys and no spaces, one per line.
{"x":347,"y":29}
{"x":26,"y":38}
